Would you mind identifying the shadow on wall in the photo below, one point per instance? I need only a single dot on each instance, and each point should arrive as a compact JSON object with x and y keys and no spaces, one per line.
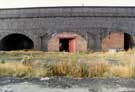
{"x":16,"y":42}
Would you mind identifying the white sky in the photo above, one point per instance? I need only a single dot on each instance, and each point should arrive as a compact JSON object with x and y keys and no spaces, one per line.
{"x":44,"y":3}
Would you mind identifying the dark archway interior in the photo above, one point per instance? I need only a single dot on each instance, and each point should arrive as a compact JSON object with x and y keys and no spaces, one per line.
{"x":128,"y":41}
{"x":64,"y":44}
{"x":16,"y":42}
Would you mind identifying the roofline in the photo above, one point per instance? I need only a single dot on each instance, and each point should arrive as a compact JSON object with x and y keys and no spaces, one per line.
{"x":18,"y":8}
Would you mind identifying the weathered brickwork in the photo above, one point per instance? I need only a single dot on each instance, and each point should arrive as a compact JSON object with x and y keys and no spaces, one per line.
{"x":81,"y":43}
{"x":114,"y":40}
{"x":92,"y":25}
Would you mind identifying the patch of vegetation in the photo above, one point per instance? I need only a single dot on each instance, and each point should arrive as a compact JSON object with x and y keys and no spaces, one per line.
{"x":42,"y":64}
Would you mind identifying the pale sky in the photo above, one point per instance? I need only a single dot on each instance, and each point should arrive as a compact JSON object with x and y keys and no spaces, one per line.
{"x":45,"y":3}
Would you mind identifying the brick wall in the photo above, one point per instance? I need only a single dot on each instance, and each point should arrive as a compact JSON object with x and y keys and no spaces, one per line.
{"x":114,"y":40}
{"x":92,"y":23}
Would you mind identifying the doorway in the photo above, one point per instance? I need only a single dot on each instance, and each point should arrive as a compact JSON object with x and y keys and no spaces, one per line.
{"x":64,"y":45}
{"x":128,"y":41}
{"x":67,"y":44}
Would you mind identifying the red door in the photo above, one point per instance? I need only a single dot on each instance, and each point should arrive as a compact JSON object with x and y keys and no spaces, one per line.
{"x":72,"y":45}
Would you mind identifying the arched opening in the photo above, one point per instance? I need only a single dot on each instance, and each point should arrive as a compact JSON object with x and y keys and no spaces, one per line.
{"x":128,"y":41}
{"x":68,"y":42}
{"x":117,"y":40}
{"x":16,"y":42}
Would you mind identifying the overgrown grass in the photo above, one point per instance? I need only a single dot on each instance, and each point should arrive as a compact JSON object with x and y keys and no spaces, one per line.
{"x":42,"y":64}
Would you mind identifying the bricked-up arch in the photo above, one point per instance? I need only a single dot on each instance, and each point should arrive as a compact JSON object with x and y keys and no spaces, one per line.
{"x":67,"y":41}
{"x":117,"y":40}
{"x":16,"y":42}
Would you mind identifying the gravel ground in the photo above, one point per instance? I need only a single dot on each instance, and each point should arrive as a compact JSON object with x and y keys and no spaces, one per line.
{"x":63,"y":84}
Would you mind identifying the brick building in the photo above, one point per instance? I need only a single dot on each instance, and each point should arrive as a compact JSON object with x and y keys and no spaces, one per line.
{"x":71,"y":29}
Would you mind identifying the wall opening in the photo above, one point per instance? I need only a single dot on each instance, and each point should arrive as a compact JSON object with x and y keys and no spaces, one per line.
{"x":67,"y":41}
{"x":64,"y":45}
{"x":128,"y":41}
{"x":16,"y":42}
{"x":117,"y":40}
{"x":67,"y":44}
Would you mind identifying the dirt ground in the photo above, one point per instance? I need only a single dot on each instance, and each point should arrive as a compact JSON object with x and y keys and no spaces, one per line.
{"x":64,"y":84}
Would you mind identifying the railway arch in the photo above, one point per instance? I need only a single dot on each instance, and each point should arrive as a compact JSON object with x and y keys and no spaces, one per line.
{"x":57,"y":28}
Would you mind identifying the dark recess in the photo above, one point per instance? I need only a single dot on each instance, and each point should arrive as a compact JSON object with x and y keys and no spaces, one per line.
{"x":16,"y":42}
{"x":64,"y":44}
{"x":128,"y":41}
